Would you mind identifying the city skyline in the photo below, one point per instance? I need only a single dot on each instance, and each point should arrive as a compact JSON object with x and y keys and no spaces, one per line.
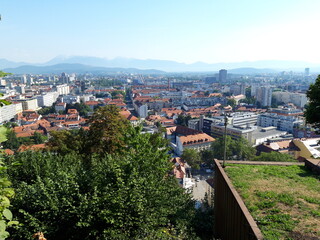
{"x":183,"y":31}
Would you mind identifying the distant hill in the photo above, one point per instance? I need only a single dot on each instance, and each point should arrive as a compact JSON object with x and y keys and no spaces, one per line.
{"x":75,"y":68}
{"x":4,"y":63}
{"x":172,"y":66}
{"x":251,"y":70}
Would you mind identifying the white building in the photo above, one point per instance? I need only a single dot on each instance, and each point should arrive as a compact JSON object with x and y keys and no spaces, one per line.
{"x":264,"y":96}
{"x":60,"y":107}
{"x":63,"y":89}
{"x":298,"y":99}
{"x":198,"y":142}
{"x":24,"y":79}
{"x":8,"y":112}
{"x":71,"y":99}
{"x":20,"y":89}
{"x":243,"y":119}
{"x":283,"y":123}
{"x":261,"y":135}
{"x":141,"y":109}
{"x":47,"y":99}
{"x":29,"y":104}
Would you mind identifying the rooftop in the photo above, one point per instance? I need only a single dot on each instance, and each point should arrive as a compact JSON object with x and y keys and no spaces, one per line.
{"x":283,"y":200}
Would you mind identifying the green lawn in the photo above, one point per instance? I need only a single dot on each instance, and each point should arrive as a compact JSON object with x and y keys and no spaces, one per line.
{"x":284,"y":200}
{"x":3,"y":131}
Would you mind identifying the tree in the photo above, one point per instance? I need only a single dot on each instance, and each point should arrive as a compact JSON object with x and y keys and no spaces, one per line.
{"x":192,"y":157}
{"x":274,"y":157}
{"x":115,"y":93}
{"x":3,"y":74}
{"x":183,"y":120}
{"x":125,"y":192}
{"x":38,"y":138}
{"x":236,"y":149}
{"x":107,"y":130}
{"x":64,"y":142}
{"x":82,"y":108}
{"x":12,"y":141}
{"x":6,"y":192}
{"x":121,"y":196}
{"x":312,"y":112}
{"x":232,"y":102}
{"x":10,"y":124}
{"x":47,"y":110}
{"x":207,"y":157}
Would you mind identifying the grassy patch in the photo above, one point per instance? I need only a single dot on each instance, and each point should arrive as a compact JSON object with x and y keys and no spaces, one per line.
{"x":3,"y":132}
{"x":282,"y":199}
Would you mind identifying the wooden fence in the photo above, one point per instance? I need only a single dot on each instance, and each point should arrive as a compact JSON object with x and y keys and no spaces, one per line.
{"x":232,"y":218}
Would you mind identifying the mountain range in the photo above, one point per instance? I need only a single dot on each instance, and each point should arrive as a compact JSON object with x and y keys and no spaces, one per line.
{"x":94,"y":64}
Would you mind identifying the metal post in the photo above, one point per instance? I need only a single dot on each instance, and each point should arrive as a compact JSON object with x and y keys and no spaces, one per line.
{"x":225,"y":140}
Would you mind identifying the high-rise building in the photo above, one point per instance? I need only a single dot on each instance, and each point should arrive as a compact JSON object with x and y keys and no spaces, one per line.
{"x":306,"y":72}
{"x":264,"y":96}
{"x":243,"y":88}
{"x":64,"y":78}
{"x":223,"y":75}
{"x":29,"y":80}
{"x":24,"y":79}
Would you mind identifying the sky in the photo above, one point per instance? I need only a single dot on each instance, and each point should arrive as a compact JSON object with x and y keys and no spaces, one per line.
{"x":188,"y":31}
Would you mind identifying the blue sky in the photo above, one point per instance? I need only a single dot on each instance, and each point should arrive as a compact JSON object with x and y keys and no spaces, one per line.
{"x":181,"y":30}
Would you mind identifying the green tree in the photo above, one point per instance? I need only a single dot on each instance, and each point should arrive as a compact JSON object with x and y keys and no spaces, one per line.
{"x":6,"y":192}
{"x":107,"y":130}
{"x":207,"y":157}
{"x":3,"y":74}
{"x":121,"y":196}
{"x":12,"y":141}
{"x":115,"y":93}
{"x":38,"y":138}
{"x":47,"y":110}
{"x":274,"y":157}
{"x":183,"y":120}
{"x":82,"y":108}
{"x":64,"y":142}
{"x":312,"y":112}
{"x":236,"y":149}
{"x":232,"y":102}
{"x":10,"y":125}
{"x":192,"y":157}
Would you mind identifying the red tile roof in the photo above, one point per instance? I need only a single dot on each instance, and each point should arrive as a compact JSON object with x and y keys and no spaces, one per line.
{"x":196,"y":139}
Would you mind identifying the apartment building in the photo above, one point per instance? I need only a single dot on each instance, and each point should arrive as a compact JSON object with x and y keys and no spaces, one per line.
{"x":282,"y":122}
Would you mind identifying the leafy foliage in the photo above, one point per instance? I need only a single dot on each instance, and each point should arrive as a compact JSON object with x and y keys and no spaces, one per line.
{"x":232,"y":102}
{"x":183,"y":120}
{"x":274,"y":157}
{"x":3,"y":74}
{"x":64,"y":142}
{"x":82,"y":108}
{"x":312,"y":112}
{"x":38,"y":138}
{"x":4,"y":102}
{"x":47,"y":110}
{"x":6,"y":192}
{"x":12,"y":141}
{"x":110,"y":182}
{"x":107,"y":82}
{"x":192,"y":157}
{"x":107,"y":130}
{"x":119,"y":196}
{"x":236,"y":149}
{"x":115,"y":93}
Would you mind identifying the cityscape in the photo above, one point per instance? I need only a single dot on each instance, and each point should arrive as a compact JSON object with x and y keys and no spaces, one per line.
{"x":159,"y":121}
